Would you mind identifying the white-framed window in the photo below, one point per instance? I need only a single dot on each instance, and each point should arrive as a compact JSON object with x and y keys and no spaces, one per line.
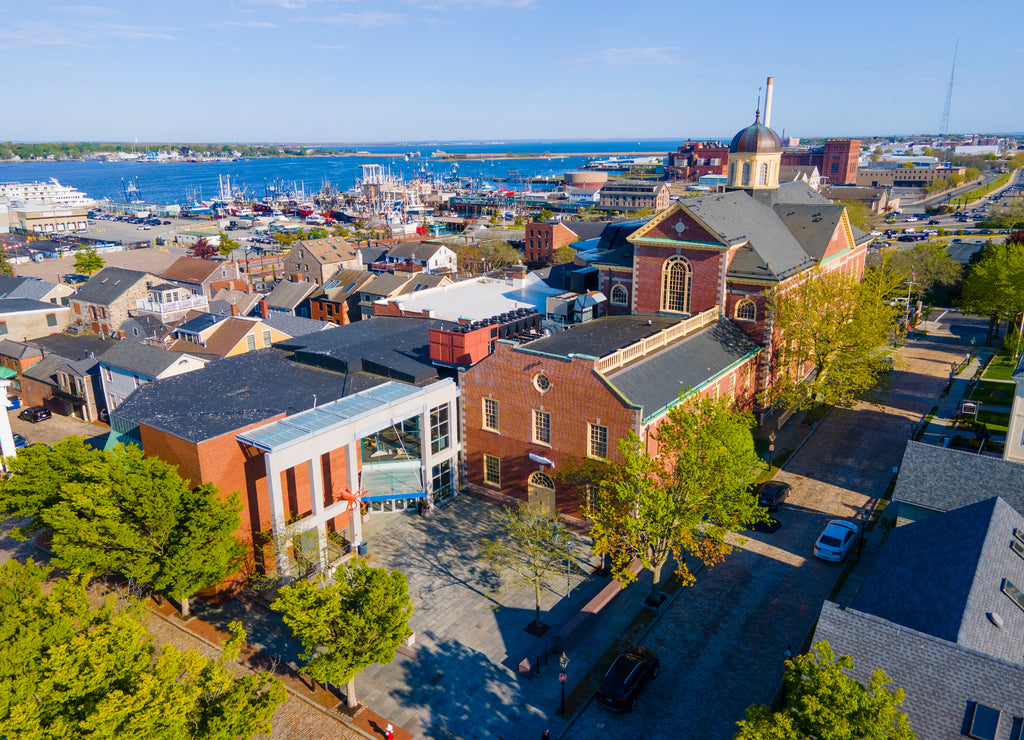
{"x":439,"y":428}
{"x":746,"y":173}
{"x":746,"y":310}
{"x":250,"y":342}
{"x":762,"y":174}
{"x":266,"y":338}
{"x":51,"y":319}
{"x":491,"y":416}
{"x":619,"y":296}
{"x":541,"y":427}
{"x":492,"y":470}
{"x":597,"y":441}
{"x":107,"y":375}
{"x":676,"y":278}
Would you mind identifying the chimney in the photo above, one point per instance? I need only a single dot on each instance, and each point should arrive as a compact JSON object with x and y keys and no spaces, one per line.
{"x":264,"y":309}
{"x":234,"y":309}
{"x":768,"y":103}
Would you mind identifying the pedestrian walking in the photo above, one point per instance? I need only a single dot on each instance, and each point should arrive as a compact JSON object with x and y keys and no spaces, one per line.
{"x":546,"y":735}
{"x":391,"y":732}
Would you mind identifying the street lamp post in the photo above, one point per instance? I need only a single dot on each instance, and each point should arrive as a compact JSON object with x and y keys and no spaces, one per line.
{"x":568,"y":563}
{"x":771,"y":447}
{"x":563,"y":663}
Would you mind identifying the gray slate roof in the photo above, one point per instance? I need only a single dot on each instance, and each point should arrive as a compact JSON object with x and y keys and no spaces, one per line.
{"x":74,"y":348}
{"x":811,"y":224}
{"x":295,"y":326}
{"x":146,"y":360}
{"x":109,"y":284}
{"x":942,"y":479}
{"x":942,"y":680}
{"x":24,"y":287}
{"x":655,"y":382}
{"x":392,"y":347}
{"x":45,"y":371}
{"x":18,"y":350}
{"x":236,"y":392}
{"x":286,"y":295}
{"x":774,"y":252}
{"x":385,"y":284}
{"x":798,"y":192}
{"x":586,"y":229}
{"x":942,"y":576}
{"x":414,"y":250}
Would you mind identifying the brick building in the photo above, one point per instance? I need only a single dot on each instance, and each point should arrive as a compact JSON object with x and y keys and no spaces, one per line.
{"x":836,"y":160}
{"x":351,"y":409}
{"x":694,"y":159}
{"x":544,"y":238}
{"x":529,"y":406}
{"x":632,"y":195}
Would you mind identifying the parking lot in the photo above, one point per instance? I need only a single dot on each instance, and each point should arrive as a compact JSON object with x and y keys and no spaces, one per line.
{"x":56,"y":428}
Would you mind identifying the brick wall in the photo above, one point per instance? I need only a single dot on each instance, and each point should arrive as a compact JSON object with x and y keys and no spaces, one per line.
{"x":706,"y":282}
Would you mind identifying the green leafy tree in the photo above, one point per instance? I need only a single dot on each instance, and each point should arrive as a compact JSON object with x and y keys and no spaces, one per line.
{"x":72,"y":668}
{"x":683,"y":499}
{"x":87,"y":262}
{"x":545,"y":214}
{"x":6,"y":268}
{"x":563,"y":255}
{"x":518,"y":223}
{"x":227,"y":245}
{"x":930,"y":264}
{"x":318,"y":233}
{"x":342,"y":231}
{"x":202,"y":249}
{"x":358,"y":620}
{"x":823,"y":701}
{"x":972,"y":173}
{"x":118,"y":511}
{"x":498,"y":253}
{"x":994,"y":287}
{"x":859,"y":213}
{"x":831,"y":336}
{"x":531,"y":547}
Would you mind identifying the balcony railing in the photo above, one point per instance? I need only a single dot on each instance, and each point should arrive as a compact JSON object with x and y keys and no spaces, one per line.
{"x":659,"y":340}
{"x":194,"y":301}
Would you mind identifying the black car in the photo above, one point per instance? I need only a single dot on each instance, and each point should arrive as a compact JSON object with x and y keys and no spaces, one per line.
{"x":628,"y":675}
{"x":772,"y":493}
{"x":35,"y":414}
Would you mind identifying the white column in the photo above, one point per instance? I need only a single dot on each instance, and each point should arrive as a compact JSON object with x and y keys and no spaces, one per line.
{"x":316,"y":499}
{"x":352,"y":481}
{"x":6,"y":435}
{"x":427,"y":456}
{"x":276,"y":498}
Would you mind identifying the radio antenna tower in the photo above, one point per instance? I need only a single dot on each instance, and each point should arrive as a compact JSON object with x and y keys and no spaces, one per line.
{"x":944,"y":124}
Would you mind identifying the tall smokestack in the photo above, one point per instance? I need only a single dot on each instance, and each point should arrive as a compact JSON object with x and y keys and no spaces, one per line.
{"x":768,"y":103}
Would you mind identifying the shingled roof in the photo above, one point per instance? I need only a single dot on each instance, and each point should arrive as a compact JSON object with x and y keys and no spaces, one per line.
{"x":109,"y":284}
{"x":142,"y":359}
{"x":191,"y":270}
{"x":942,"y":479}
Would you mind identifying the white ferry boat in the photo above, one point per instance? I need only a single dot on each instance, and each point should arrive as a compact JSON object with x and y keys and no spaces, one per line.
{"x":50,"y":193}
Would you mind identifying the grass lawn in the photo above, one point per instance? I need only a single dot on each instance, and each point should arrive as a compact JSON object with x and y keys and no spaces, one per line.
{"x":996,"y":421}
{"x":1001,"y":368}
{"x":1000,"y":394}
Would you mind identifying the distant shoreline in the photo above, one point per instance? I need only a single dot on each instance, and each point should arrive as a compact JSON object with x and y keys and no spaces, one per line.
{"x":447,"y":157}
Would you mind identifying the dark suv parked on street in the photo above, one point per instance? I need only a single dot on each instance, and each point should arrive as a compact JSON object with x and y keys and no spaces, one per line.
{"x":35,"y":414}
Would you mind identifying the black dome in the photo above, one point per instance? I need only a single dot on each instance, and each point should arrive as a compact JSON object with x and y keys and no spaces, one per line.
{"x":756,"y":138}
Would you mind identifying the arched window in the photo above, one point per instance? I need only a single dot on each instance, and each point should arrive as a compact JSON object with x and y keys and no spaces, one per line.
{"x":762,"y":174}
{"x":540,"y":491}
{"x":746,"y":173}
{"x":675,"y":285}
{"x":542,"y":480}
{"x":620,"y":297}
{"x":746,"y":311}
{"x":732,"y":173}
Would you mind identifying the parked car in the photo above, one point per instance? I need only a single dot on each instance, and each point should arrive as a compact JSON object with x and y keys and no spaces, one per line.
{"x":19,"y":441}
{"x":835,"y":542}
{"x":35,"y":414}
{"x":628,"y":675}
{"x":772,"y":493}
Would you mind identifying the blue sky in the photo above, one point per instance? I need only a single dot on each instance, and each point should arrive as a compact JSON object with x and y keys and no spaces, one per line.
{"x":326,"y":71}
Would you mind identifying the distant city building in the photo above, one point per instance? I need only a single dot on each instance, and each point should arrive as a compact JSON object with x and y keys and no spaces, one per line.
{"x":906,"y":177}
{"x":694,"y":159}
{"x":632,"y":195}
{"x":836,"y":160}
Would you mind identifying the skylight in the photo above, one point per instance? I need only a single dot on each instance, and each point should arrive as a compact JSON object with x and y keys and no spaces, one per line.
{"x":1013,"y":592}
{"x":984,"y":723}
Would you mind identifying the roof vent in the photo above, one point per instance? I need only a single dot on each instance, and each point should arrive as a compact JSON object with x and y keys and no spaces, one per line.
{"x":995,"y":619}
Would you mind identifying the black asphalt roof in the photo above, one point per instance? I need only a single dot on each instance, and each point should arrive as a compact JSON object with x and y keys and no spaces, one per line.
{"x":392,"y":347}
{"x":143,"y":359}
{"x":602,"y":336}
{"x":107,"y":285}
{"x":942,"y":479}
{"x":655,"y":382}
{"x":942,"y":576}
{"x":236,"y":392}
{"x":23,"y":305}
{"x":74,"y":348}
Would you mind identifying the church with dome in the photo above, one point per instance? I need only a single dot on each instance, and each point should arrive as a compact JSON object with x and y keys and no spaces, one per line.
{"x":731,"y":249}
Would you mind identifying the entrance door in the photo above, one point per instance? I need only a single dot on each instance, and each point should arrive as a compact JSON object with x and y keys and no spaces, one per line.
{"x":541,"y":491}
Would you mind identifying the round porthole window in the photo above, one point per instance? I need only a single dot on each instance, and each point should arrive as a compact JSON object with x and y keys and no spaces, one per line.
{"x":541,"y":382}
